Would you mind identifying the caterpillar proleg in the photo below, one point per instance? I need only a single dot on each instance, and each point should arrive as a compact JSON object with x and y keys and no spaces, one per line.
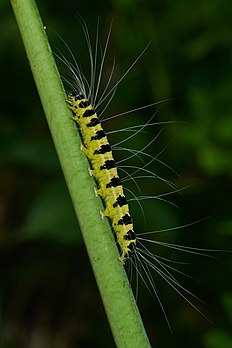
{"x":89,"y":106}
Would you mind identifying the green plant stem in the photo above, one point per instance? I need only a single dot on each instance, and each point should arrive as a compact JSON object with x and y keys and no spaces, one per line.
{"x":121,"y":309}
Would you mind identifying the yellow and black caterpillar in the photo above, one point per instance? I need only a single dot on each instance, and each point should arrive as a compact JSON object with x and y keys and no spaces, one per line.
{"x":98,"y":151}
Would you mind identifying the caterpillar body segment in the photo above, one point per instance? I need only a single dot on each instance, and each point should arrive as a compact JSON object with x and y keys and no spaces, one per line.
{"x":98,"y":151}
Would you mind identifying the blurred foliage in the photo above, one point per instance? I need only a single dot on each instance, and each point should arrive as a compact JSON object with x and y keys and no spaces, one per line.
{"x":48,"y":296}
{"x":218,"y":338}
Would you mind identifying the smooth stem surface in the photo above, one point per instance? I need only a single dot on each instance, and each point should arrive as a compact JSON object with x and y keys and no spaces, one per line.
{"x":121,"y":309}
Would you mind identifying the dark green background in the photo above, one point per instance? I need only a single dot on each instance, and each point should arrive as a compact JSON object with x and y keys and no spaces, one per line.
{"x":48,"y":296}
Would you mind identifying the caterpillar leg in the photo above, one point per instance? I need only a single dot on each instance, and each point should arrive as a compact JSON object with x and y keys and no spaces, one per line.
{"x":85,"y":150}
{"x":104,"y":214}
{"x":98,"y":192}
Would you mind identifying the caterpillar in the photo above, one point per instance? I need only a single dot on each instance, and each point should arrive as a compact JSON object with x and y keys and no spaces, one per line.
{"x":84,"y":102}
{"x":99,"y":153}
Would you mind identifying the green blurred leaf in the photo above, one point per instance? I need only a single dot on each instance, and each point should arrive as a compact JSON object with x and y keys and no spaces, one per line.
{"x":218,"y":339}
{"x":51,"y":216}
